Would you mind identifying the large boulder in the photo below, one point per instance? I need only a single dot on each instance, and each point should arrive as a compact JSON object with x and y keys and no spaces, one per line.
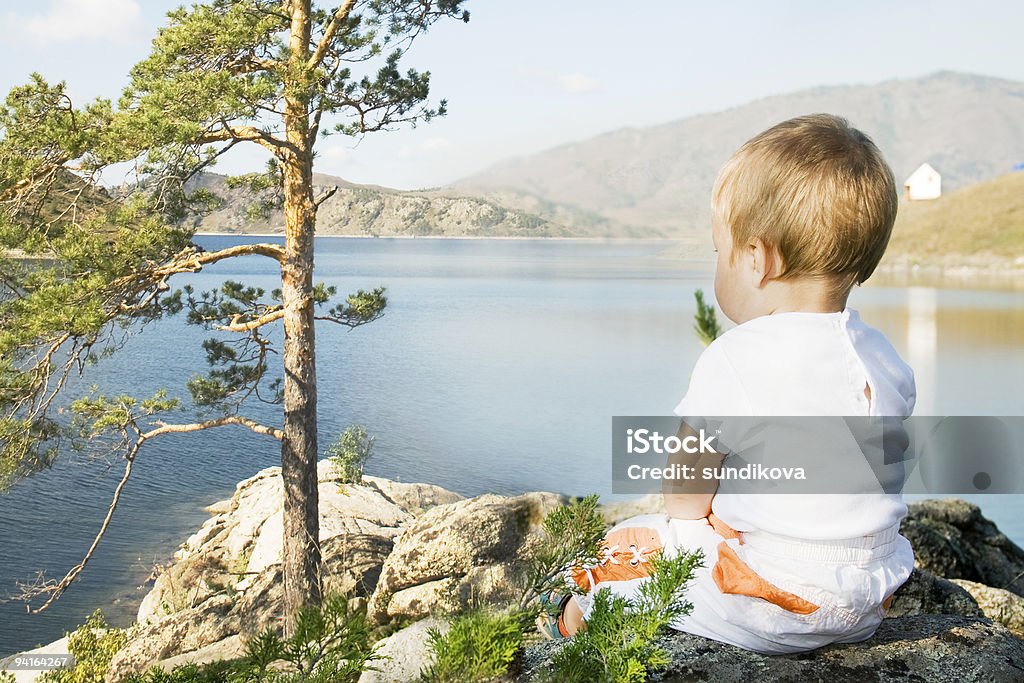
{"x":927,"y":647}
{"x":456,"y":553}
{"x":951,"y":538}
{"x":997,"y":604}
{"x":225,"y":584}
{"x":925,"y":593}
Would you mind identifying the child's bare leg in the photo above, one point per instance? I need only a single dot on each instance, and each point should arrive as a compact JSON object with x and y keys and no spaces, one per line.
{"x":572,"y":617}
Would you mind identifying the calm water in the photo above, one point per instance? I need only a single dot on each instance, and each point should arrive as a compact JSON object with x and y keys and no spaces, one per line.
{"x":496,"y":368}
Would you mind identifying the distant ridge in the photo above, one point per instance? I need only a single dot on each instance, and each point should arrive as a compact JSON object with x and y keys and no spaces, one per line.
{"x":656,"y":180}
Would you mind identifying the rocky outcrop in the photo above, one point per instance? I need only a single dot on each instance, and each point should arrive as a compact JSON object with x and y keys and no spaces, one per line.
{"x":414,"y":553}
{"x":225,"y":584}
{"x":951,"y":538}
{"x":370,"y":210}
{"x":925,"y":647}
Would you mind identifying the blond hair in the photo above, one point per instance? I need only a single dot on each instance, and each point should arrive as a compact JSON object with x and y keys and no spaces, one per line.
{"x":817,"y":191}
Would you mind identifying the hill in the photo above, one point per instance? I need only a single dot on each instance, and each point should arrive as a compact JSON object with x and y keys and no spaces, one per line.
{"x":373,"y":210}
{"x":657,"y":180}
{"x":983,"y":223}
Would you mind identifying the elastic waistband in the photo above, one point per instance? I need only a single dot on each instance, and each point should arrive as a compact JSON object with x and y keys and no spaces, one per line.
{"x":860,"y":549}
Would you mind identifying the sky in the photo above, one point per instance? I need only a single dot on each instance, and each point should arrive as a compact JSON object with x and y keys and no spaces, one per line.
{"x":525,"y":76}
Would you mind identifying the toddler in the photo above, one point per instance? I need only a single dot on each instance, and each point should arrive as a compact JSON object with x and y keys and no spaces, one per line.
{"x":801,"y":213}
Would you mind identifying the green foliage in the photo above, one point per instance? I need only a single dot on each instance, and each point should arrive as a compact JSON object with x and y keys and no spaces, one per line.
{"x":350,"y":453}
{"x":618,"y":643}
{"x":331,"y":644}
{"x":7,"y":677}
{"x":706,"y":324}
{"x":359,"y":308}
{"x":571,"y":537}
{"x":96,"y":413}
{"x":215,"y":672}
{"x":93,"y":645}
{"x":480,"y":645}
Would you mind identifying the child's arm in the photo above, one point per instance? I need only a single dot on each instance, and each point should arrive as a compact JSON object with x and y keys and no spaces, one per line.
{"x":690,"y":498}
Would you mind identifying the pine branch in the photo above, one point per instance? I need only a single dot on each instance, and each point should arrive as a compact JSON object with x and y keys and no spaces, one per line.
{"x":332,"y":28}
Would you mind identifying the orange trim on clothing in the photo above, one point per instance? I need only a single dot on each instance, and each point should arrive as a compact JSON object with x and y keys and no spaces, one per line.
{"x":733,"y":575}
{"x":723,"y":529}
{"x":625,"y":555}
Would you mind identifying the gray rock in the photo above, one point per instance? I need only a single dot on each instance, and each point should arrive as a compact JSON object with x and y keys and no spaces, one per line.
{"x":177,"y":633}
{"x":999,"y":605}
{"x":404,"y":653}
{"x":618,"y":511}
{"x":229,"y":649}
{"x":925,"y":593}
{"x":226,"y":580}
{"x":929,"y":647}
{"x":450,"y":544}
{"x":951,"y":538}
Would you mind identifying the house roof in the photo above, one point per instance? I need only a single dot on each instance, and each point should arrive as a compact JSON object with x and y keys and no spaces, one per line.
{"x":922,"y":173}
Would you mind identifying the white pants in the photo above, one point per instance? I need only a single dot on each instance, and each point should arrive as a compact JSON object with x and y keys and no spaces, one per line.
{"x":762,"y":592}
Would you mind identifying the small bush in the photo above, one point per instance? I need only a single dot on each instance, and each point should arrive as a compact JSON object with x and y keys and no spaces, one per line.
{"x":706,"y":321}
{"x":216,"y":672}
{"x":93,"y":645}
{"x":617,"y":644}
{"x":571,"y":537}
{"x":331,"y":644}
{"x":481,"y":645}
{"x":350,"y":452}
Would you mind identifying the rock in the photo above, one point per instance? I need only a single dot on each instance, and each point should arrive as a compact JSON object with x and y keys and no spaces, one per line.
{"x":230,"y":648}
{"x":452,"y":594}
{"x":407,"y":652}
{"x":413,"y":498}
{"x":57,"y":647}
{"x":177,"y":633}
{"x":951,"y":538}
{"x":616,"y":512}
{"x":999,"y":605}
{"x":928,"y":647}
{"x":448,"y":542}
{"x":925,"y":593}
{"x":226,"y":580}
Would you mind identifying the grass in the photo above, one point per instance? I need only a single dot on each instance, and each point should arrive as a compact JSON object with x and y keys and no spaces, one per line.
{"x":982,"y":221}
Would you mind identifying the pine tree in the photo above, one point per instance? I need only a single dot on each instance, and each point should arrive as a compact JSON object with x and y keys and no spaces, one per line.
{"x":275,"y":73}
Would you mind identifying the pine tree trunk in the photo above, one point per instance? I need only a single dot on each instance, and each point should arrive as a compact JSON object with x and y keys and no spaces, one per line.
{"x":301,"y":551}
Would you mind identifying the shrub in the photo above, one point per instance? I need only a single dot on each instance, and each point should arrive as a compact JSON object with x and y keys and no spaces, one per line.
{"x":216,"y":672}
{"x":331,"y":644}
{"x":706,"y":325}
{"x":350,"y":452}
{"x":480,"y":645}
{"x":617,"y":645}
{"x":571,"y":537}
{"x":93,"y":645}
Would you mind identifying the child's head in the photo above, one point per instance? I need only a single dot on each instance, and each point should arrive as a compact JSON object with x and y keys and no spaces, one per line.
{"x":801,"y":213}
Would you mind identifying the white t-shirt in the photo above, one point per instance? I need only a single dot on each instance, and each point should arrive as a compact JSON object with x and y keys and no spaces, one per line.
{"x":803,"y":364}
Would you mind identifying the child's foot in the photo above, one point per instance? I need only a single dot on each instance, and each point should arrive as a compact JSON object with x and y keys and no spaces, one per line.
{"x":549,"y":621}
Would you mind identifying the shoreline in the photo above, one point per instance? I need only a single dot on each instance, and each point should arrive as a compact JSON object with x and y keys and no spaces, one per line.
{"x":449,"y":237}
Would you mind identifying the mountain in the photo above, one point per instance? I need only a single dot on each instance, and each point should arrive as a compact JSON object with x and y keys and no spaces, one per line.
{"x":982,"y":223}
{"x":657,"y":180}
{"x":379,"y":211}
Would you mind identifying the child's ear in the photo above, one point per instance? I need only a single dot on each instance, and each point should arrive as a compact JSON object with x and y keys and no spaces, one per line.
{"x":765,"y":263}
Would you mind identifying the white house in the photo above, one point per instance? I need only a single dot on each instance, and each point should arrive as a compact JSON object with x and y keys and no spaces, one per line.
{"x":924,"y":183}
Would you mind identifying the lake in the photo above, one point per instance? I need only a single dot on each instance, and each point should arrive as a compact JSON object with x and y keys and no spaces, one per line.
{"x":497,"y":367}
